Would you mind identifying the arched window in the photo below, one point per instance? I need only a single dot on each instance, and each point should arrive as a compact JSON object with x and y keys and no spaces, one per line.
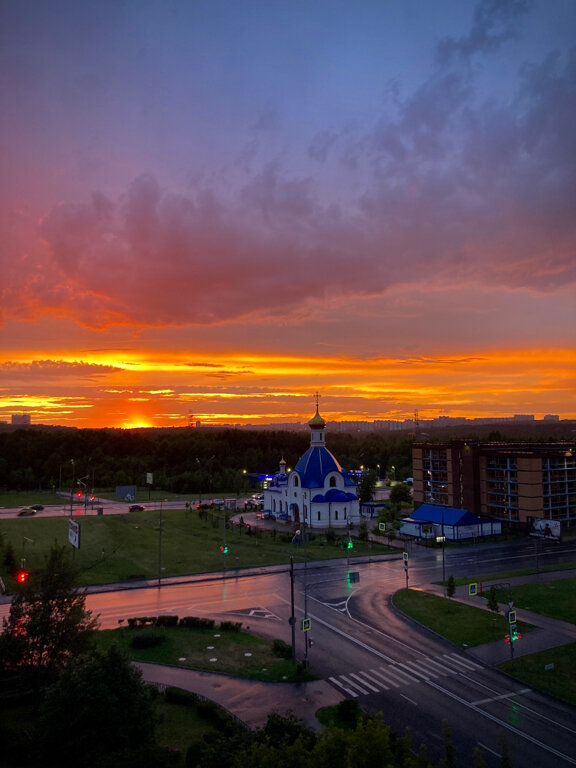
{"x":318,"y":515}
{"x":335,"y":514}
{"x":295,"y":479}
{"x":332,"y":482}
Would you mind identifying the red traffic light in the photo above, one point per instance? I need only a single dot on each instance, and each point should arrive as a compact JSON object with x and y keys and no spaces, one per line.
{"x":78,"y":494}
{"x":22,"y":576}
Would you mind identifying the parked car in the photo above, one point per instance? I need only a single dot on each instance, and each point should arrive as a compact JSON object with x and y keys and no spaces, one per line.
{"x":136,"y":508}
{"x":37,"y":507}
{"x":26,"y":512}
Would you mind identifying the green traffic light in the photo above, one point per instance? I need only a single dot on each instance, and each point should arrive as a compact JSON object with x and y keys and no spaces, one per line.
{"x":350,"y":545}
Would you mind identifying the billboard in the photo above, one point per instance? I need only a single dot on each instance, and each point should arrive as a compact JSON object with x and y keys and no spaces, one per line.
{"x":545,"y":529}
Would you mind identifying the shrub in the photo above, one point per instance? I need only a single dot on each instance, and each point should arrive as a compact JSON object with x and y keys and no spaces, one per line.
{"x":348,"y":711}
{"x":231,"y":626}
{"x":282,"y":649}
{"x":167,"y":621}
{"x":193,"y":622}
{"x":330,"y":535}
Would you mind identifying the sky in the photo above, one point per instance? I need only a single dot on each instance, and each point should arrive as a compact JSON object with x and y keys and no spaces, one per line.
{"x":211,"y":210}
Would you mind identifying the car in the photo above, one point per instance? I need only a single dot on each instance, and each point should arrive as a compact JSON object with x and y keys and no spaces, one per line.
{"x":258,"y":497}
{"x":26,"y":512}
{"x":218,"y":502}
{"x":37,"y":507}
{"x":135,"y":508}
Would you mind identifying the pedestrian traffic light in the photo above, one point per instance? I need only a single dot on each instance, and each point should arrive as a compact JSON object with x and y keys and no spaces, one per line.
{"x":350,"y":544}
{"x":507,"y":639}
{"x":514,"y":634}
{"x":224,"y":549}
{"x":22,"y":576}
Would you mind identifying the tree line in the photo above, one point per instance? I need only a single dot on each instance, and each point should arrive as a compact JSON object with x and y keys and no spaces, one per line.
{"x":181,"y":460}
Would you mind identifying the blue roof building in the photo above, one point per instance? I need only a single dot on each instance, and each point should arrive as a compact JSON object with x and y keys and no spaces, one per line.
{"x":318,"y":493}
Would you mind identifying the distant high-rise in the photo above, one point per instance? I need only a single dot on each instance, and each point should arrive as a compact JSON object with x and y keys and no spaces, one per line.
{"x":21,"y":419}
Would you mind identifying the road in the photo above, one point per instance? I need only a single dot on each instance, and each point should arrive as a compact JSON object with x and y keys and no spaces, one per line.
{"x":368,"y":652}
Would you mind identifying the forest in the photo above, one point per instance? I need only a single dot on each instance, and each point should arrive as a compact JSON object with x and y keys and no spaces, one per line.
{"x":181,"y":460}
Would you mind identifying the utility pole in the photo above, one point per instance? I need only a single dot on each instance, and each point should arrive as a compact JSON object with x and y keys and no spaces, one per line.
{"x":292,"y":619}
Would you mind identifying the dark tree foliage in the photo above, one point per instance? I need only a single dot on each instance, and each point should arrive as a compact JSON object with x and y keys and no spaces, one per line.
{"x":98,"y":713}
{"x":48,"y":622}
{"x":367,"y":487}
{"x":182,"y":460}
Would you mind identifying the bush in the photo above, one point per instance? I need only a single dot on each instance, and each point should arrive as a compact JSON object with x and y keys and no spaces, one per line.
{"x":348,"y":711}
{"x":147,"y":639}
{"x":231,"y":626}
{"x":282,"y":649}
{"x":167,"y":621}
{"x":330,"y":536}
{"x":193,"y":622}
{"x":181,"y":697}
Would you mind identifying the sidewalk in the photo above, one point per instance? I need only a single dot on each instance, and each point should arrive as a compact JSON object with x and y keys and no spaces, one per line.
{"x":248,"y":700}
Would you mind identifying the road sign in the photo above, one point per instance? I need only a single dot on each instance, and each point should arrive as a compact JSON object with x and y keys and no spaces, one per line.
{"x":381,"y":526}
{"x":306,"y":625}
{"x":473,"y":588}
{"x":511,"y":617}
{"x":405,"y":556}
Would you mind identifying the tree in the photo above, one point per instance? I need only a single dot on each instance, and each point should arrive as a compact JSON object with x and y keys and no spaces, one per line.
{"x":367,"y":487}
{"x":400,"y":494}
{"x":98,"y":713}
{"x":450,"y":586}
{"x":48,"y":622}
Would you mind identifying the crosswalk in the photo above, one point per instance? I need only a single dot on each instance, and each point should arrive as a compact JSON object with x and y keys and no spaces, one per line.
{"x":402,"y":673}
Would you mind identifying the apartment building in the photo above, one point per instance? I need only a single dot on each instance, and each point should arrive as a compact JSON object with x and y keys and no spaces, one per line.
{"x":511,"y":482}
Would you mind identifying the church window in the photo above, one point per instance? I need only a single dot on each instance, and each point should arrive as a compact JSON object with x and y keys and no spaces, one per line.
{"x":335,"y":514}
{"x":332,"y":482}
{"x":319,"y":516}
{"x":295,"y":479}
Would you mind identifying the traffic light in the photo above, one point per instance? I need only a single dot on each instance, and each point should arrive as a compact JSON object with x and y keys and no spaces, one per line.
{"x":350,"y":544}
{"x":224,"y":549}
{"x":78,"y":494}
{"x":514,"y":634}
{"x":507,"y":639}
{"x":22,"y":576}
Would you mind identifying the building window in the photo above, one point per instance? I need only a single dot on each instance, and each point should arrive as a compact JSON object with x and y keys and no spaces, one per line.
{"x":319,"y":516}
{"x":332,"y":482}
{"x":335,"y":514}
{"x":295,"y":479}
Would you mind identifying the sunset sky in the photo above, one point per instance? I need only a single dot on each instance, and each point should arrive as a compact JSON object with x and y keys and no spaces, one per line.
{"x":213,"y":209}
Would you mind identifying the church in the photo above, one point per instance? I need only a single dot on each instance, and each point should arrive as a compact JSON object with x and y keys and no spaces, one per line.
{"x":317,"y":493}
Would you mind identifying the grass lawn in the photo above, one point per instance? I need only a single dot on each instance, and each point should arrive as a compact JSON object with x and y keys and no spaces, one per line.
{"x":559,"y":681}
{"x":556,"y":599}
{"x":126,"y":547}
{"x":463,"y":625}
{"x":234,"y":653}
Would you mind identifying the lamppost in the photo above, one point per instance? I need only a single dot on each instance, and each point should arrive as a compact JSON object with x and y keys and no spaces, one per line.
{"x":72,"y":487}
{"x":160,"y":543}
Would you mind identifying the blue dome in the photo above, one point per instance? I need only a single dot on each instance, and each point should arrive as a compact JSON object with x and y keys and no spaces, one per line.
{"x":335,"y":494}
{"x":314,"y":465}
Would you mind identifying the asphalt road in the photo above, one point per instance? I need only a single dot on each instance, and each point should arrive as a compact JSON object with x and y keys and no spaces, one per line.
{"x":366,"y":651}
